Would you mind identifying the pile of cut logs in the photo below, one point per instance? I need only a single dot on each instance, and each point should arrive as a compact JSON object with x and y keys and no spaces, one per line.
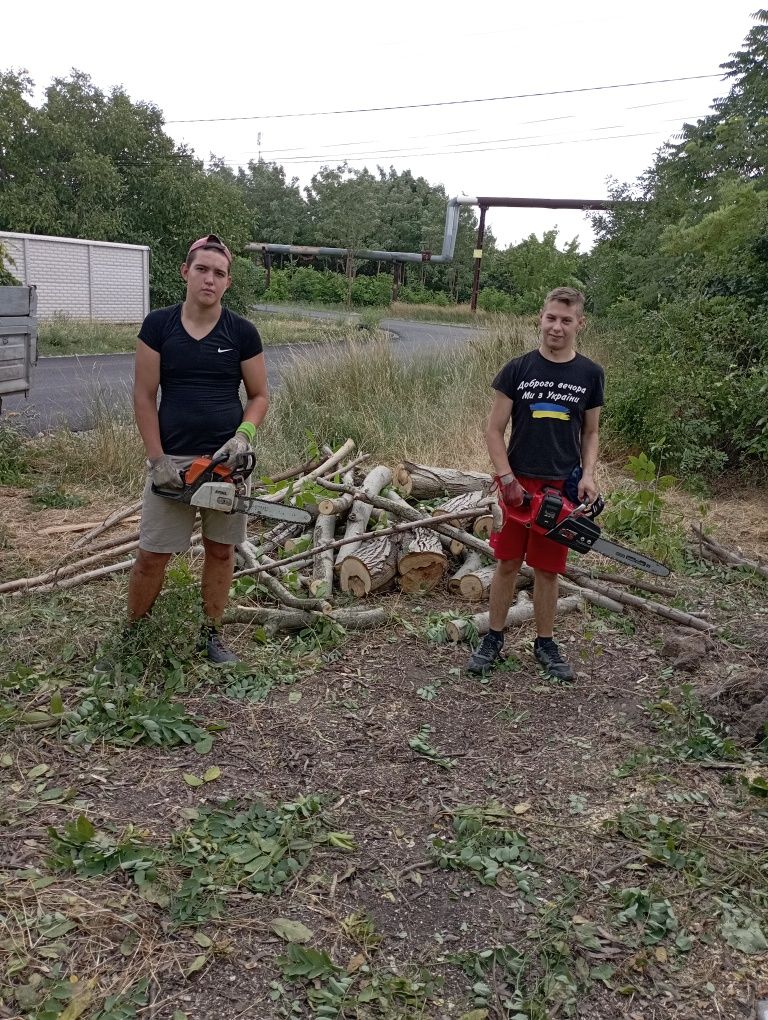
{"x":416,"y":528}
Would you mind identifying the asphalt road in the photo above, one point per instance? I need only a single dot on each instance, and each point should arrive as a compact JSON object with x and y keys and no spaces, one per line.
{"x":68,"y":391}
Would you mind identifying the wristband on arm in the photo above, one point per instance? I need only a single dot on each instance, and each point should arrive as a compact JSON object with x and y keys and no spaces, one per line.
{"x":248,"y":429}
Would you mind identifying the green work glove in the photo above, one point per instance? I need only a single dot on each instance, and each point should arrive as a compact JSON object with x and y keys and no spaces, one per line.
{"x":165,"y":474}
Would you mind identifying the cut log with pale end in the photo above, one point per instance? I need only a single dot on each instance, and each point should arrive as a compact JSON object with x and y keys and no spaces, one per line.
{"x":378,"y":478}
{"x":421,"y":482}
{"x":483,"y":526}
{"x":322,"y":565}
{"x":464,"y":501}
{"x":297,"y":542}
{"x":370,"y":568}
{"x":422,"y":562}
{"x":521,"y":612}
{"x":340,"y":505}
{"x":475,"y":586}
{"x":474,"y":561}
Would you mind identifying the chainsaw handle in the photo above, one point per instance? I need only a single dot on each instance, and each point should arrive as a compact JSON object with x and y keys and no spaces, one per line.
{"x":243,"y":472}
{"x":597,"y":507}
{"x":250,"y":465}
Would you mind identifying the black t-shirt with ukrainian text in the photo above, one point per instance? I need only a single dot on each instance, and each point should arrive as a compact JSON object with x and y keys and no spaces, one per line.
{"x":200,"y":406}
{"x":549,"y":399}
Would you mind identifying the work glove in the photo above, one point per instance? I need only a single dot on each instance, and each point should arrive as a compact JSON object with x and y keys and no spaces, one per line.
{"x":511,"y":491}
{"x":165,"y":474}
{"x":236,"y":450}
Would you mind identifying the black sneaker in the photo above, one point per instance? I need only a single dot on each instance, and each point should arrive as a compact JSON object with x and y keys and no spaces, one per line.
{"x":216,"y":650}
{"x":110,"y":659}
{"x":548,"y":654}
{"x":486,"y":654}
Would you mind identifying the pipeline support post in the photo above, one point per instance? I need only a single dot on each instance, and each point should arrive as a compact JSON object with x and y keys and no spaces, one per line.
{"x":397,"y":276}
{"x":478,"y":259}
{"x":267,"y":269}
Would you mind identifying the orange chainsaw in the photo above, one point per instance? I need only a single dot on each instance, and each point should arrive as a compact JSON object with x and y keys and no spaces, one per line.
{"x":211,"y":486}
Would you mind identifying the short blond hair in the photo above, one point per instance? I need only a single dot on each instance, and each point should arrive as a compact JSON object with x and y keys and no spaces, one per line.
{"x":568,"y":296}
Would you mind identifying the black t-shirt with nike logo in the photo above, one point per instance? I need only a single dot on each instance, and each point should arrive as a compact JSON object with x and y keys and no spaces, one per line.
{"x":200,"y":406}
{"x":549,"y":399}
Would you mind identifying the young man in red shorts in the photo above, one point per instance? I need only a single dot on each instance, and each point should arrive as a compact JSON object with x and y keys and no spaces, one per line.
{"x":552,"y":396}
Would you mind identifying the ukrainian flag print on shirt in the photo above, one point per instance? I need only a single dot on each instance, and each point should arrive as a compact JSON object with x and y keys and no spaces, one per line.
{"x":543,"y":409}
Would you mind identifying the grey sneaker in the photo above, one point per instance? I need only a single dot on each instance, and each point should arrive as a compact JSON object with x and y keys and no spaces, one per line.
{"x":216,"y":650}
{"x":487,"y":653}
{"x":550,"y":657}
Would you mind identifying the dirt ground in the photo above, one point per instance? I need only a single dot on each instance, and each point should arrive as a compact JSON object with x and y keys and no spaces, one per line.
{"x":624,"y":790}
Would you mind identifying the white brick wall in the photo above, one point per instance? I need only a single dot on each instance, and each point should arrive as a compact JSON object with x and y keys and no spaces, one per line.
{"x":82,"y":279}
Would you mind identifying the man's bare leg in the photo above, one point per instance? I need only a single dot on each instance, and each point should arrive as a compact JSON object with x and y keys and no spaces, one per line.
{"x":488,"y":652}
{"x":218,"y":568}
{"x":545,"y":601}
{"x":146,"y":580}
{"x":544,"y":608}
{"x":502,"y":592}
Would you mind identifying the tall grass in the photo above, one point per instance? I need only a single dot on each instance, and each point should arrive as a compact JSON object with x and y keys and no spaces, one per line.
{"x":429,"y":407}
{"x":460,"y":314}
{"x":110,"y":454}
{"x":279,"y":329}
{"x":63,"y":335}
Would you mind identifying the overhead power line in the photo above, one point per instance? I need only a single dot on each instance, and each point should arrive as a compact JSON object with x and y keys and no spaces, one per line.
{"x":483,"y":145}
{"x":465,"y":152}
{"x":446,"y":102}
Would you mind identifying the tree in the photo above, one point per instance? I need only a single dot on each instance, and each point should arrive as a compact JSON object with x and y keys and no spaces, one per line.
{"x":700,"y":185}
{"x":278,"y":213}
{"x":528,"y":270}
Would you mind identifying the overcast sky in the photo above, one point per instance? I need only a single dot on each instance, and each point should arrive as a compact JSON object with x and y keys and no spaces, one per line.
{"x":250,"y":60}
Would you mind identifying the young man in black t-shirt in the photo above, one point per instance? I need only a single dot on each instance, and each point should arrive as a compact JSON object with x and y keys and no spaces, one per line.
{"x":552,"y":396}
{"x":196,"y":354}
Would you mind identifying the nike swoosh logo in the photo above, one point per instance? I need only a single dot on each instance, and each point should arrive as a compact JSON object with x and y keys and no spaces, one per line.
{"x":223,"y":350}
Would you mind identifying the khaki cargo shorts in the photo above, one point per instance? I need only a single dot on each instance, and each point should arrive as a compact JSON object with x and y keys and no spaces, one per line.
{"x":166,"y":527}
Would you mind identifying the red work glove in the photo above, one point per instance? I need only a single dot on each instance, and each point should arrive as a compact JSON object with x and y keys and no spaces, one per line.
{"x":510,"y":490}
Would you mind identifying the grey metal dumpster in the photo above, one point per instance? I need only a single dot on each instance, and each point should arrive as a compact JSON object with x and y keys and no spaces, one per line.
{"x":18,"y":339}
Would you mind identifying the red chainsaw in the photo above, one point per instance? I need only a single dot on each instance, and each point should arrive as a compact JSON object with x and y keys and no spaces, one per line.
{"x":211,"y":486}
{"x":553,"y":515}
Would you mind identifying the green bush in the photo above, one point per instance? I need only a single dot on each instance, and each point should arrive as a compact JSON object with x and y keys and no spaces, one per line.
{"x":490,"y":299}
{"x":418,"y":295}
{"x":278,"y":289}
{"x":690,"y":382}
{"x":244,"y":290}
{"x":303,"y":285}
{"x":331,"y":288}
{"x":372,"y":290}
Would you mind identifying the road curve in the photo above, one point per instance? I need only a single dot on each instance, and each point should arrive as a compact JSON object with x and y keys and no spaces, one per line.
{"x":68,"y":391}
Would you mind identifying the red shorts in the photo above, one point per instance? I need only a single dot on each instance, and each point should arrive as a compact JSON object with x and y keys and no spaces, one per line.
{"x":516,"y":542}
